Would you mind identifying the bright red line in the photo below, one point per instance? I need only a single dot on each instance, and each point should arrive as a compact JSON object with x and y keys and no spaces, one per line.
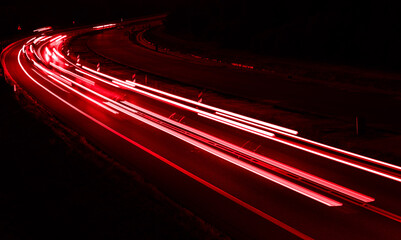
{"x":97,"y":78}
{"x":395,"y":167}
{"x":73,"y":74}
{"x":84,"y":96}
{"x":58,"y":38}
{"x":253,"y":123}
{"x":319,"y":153}
{"x":236,"y":124}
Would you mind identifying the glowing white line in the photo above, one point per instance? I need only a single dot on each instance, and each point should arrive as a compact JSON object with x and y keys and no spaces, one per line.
{"x":73,"y":74}
{"x":37,"y":39}
{"x":49,"y":81}
{"x":95,"y":77}
{"x":58,"y":38}
{"x":42,"y":29}
{"x":57,"y":53}
{"x":389,"y":176}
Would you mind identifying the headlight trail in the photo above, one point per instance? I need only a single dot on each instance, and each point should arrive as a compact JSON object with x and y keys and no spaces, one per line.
{"x":213,"y":132}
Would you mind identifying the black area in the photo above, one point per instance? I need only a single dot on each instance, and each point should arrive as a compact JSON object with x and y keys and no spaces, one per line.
{"x":336,"y":31}
{"x":362,"y":34}
{"x":30,"y":15}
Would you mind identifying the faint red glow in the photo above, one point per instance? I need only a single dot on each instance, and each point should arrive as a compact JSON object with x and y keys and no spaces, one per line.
{"x":111,"y":25}
{"x":58,"y":38}
{"x":97,"y":78}
{"x":43,"y":29}
{"x":242,"y":65}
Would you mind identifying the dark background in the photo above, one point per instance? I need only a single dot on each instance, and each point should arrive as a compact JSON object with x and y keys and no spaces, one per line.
{"x":367,"y":34}
{"x":34,"y":14}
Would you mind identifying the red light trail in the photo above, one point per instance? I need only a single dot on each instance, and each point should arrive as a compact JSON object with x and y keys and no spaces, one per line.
{"x":43,"y":55}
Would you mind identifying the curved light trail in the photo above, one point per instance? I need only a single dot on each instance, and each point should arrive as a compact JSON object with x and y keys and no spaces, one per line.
{"x":44,"y":56}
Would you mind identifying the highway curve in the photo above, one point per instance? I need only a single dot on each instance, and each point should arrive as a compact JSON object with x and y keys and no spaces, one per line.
{"x":289,"y":187}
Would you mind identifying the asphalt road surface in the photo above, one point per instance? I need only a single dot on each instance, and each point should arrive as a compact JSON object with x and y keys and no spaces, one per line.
{"x":288,"y":187}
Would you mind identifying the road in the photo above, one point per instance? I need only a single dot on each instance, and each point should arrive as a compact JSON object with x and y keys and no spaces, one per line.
{"x":200,"y":156}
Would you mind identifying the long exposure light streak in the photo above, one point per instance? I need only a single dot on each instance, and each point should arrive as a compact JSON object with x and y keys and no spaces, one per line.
{"x":253,"y":163}
{"x":187,"y":173}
